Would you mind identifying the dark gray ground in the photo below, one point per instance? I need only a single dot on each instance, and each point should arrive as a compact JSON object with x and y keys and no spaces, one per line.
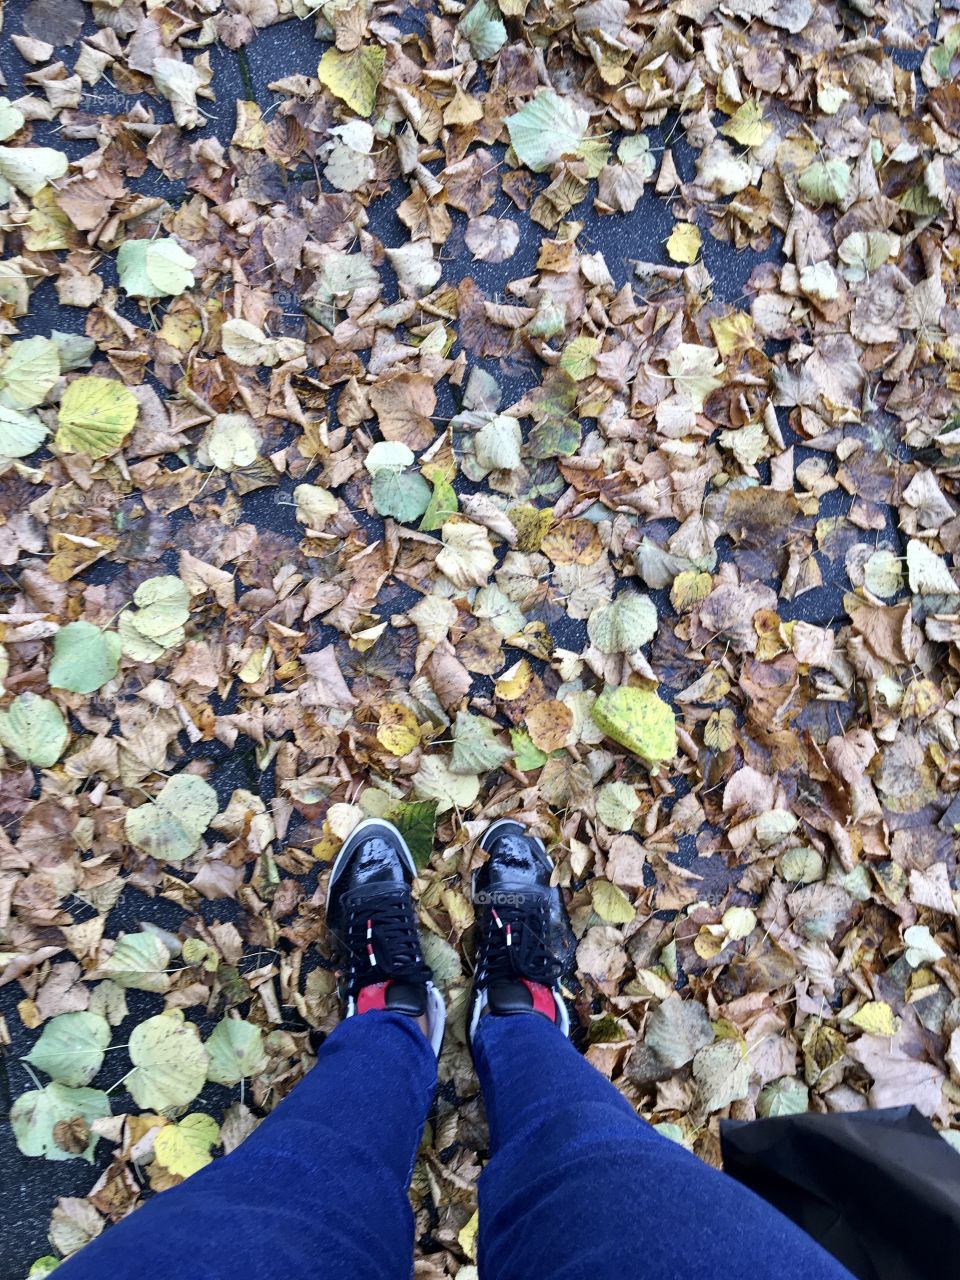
{"x":29,"y":1187}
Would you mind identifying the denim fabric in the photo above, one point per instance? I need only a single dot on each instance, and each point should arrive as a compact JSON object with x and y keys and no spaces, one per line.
{"x":577,"y":1188}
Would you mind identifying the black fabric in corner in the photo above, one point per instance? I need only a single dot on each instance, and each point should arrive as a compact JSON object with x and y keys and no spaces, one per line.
{"x":880,"y":1190}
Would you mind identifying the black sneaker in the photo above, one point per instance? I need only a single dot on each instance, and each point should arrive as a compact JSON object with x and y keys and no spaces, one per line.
{"x":518,"y":963}
{"x":371,"y":913}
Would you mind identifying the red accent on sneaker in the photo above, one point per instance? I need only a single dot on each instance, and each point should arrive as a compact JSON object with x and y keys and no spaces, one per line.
{"x":543,"y":1001}
{"x":373,"y":996}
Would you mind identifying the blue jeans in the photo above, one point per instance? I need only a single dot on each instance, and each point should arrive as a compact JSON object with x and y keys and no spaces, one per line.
{"x":577,"y":1187}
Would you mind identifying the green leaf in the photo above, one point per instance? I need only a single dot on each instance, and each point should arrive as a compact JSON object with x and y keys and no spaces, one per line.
{"x":30,"y":169}
{"x":784,"y":1097}
{"x":696,"y":371}
{"x":476,"y":748}
{"x":554,"y":438}
{"x":96,"y":415}
{"x":825,"y":181}
{"x":579,"y":358}
{"x":442,"y":505}
{"x":443,"y":959}
{"x":546,"y":128}
{"x":170,"y":1063}
{"x":416,"y":820}
{"x":526,"y":756}
{"x":73,"y":349}
{"x":617,"y":805}
{"x":71,"y":1047}
{"x":184,"y":1147}
{"x":157,"y":624}
{"x":35,"y":1115}
{"x":42,"y":1267}
{"x":405,"y":495}
{"x":232,"y":440}
{"x":800,"y":865}
{"x":12,"y":119}
{"x":918,"y":200}
{"x":28,"y":371}
{"x":865,"y":251}
{"x":677,"y":1030}
{"x":435,"y":780}
{"x":164,"y":604}
{"x":20,"y":433}
{"x":154,"y":268}
{"x":497,"y":445}
{"x":491,"y":604}
{"x":610,"y":902}
{"x":84,"y":657}
{"x":235,"y":1050}
{"x":638,"y":720}
{"x":624,"y":625}
{"x":389,"y":455}
{"x":34,"y":729}
{"x":171,"y":827}
{"x":138,"y":961}
{"x":882,"y":574}
{"x":484,"y":30}
{"x":353,"y":77}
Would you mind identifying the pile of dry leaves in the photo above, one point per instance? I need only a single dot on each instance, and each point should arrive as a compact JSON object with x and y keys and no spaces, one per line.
{"x":753,"y":814}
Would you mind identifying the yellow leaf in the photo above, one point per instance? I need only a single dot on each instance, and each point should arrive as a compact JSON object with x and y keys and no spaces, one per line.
{"x":747,"y":125}
{"x":96,"y":415}
{"x":353,"y":77}
{"x":514,"y":683}
{"x":738,"y":923}
{"x":578,"y":359}
{"x":250,"y":131}
{"x":184,"y":1148}
{"x":710,"y":941}
{"x":720,"y":731}
{"x":876,"y":1017}
{"x":640,"y":721}
{"x":689,"y":588}
{"x":611,"y":903}
{"x":734,"y":332}
{"x":398,"y":730}
{"x":467,"y":1236}
{"x":685,"y":243}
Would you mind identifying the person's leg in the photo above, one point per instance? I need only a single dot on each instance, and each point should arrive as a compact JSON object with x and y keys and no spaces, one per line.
{"x":319,"y":1189}
{"x":580,"y":1188}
